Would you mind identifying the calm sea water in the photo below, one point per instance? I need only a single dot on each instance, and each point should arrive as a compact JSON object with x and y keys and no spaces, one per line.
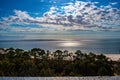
{"x":96,"y":46}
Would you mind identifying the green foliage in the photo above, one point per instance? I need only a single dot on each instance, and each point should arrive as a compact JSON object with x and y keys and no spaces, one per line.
{"x":117,"y":67}
{"x":103,"y":71}
{"x":37,"y":62}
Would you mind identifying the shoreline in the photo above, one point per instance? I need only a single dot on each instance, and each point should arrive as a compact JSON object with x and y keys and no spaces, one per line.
{"x":63,"y":78}
{"x":114,"y":57}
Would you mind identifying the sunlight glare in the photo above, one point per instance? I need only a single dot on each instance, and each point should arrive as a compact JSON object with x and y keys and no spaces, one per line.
{"x":69,"y":44}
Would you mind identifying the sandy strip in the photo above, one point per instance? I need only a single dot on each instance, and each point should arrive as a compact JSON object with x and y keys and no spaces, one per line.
{"x":63,"y":78}
{"x":114,"y":57}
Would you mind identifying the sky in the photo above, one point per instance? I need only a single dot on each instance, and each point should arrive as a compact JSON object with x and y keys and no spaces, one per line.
{"x":54,"y":19}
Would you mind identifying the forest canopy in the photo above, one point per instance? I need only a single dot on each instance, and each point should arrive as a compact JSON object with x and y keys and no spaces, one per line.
{"x":38,"y":62}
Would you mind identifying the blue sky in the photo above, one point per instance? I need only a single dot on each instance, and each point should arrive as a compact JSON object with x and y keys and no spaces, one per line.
{"x":45,"y":18}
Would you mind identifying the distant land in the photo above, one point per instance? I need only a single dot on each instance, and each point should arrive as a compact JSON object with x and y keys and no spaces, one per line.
{"x":33,"y":40}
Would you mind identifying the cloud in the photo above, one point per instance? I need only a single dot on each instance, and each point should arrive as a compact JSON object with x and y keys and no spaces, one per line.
{"x":73,"y":16}
{"x":113,"y":3}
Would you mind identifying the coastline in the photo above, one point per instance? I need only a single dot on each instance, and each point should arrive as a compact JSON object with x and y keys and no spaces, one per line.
{"x":63,"y":78}
{"x":114,"y":57}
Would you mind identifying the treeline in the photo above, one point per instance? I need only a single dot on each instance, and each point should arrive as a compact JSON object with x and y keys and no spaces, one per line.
{"x":38,"y":62}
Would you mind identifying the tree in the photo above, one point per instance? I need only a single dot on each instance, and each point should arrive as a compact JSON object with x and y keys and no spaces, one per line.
{"x":47,"y":72}
{"x":20,"y":63}
{"x":103,"y":72}
{"x":43,"y":55}
{"x":79,"y":55}
{"x":35,"y":52}
{"x":65,"y":53}
{"x":101,"y":57}
{"x":91,"y":57}
{"x":10,"y":53}
{"x":117,"y":67}
{"x":58,"y":54}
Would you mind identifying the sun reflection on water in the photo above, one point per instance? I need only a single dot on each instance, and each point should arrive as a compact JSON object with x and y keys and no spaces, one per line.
{"x":69,"y":44}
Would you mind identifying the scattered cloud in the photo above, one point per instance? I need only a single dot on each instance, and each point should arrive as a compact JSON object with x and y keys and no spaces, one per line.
{"x":83,"y":16}
{"x":113,"y":3}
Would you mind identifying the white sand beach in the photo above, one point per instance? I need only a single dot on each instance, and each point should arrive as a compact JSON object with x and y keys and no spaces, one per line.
{"x":114,"y":57}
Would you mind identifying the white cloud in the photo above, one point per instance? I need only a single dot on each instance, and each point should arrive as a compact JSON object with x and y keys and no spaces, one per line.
{"x":74,"y":16}
{"x":113,"y":3}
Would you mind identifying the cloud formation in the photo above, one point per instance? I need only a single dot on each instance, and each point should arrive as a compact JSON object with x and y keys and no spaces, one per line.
{"x":74,"y":16}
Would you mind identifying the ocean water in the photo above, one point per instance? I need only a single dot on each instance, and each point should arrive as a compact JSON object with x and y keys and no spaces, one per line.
{"x":111,"y":46}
